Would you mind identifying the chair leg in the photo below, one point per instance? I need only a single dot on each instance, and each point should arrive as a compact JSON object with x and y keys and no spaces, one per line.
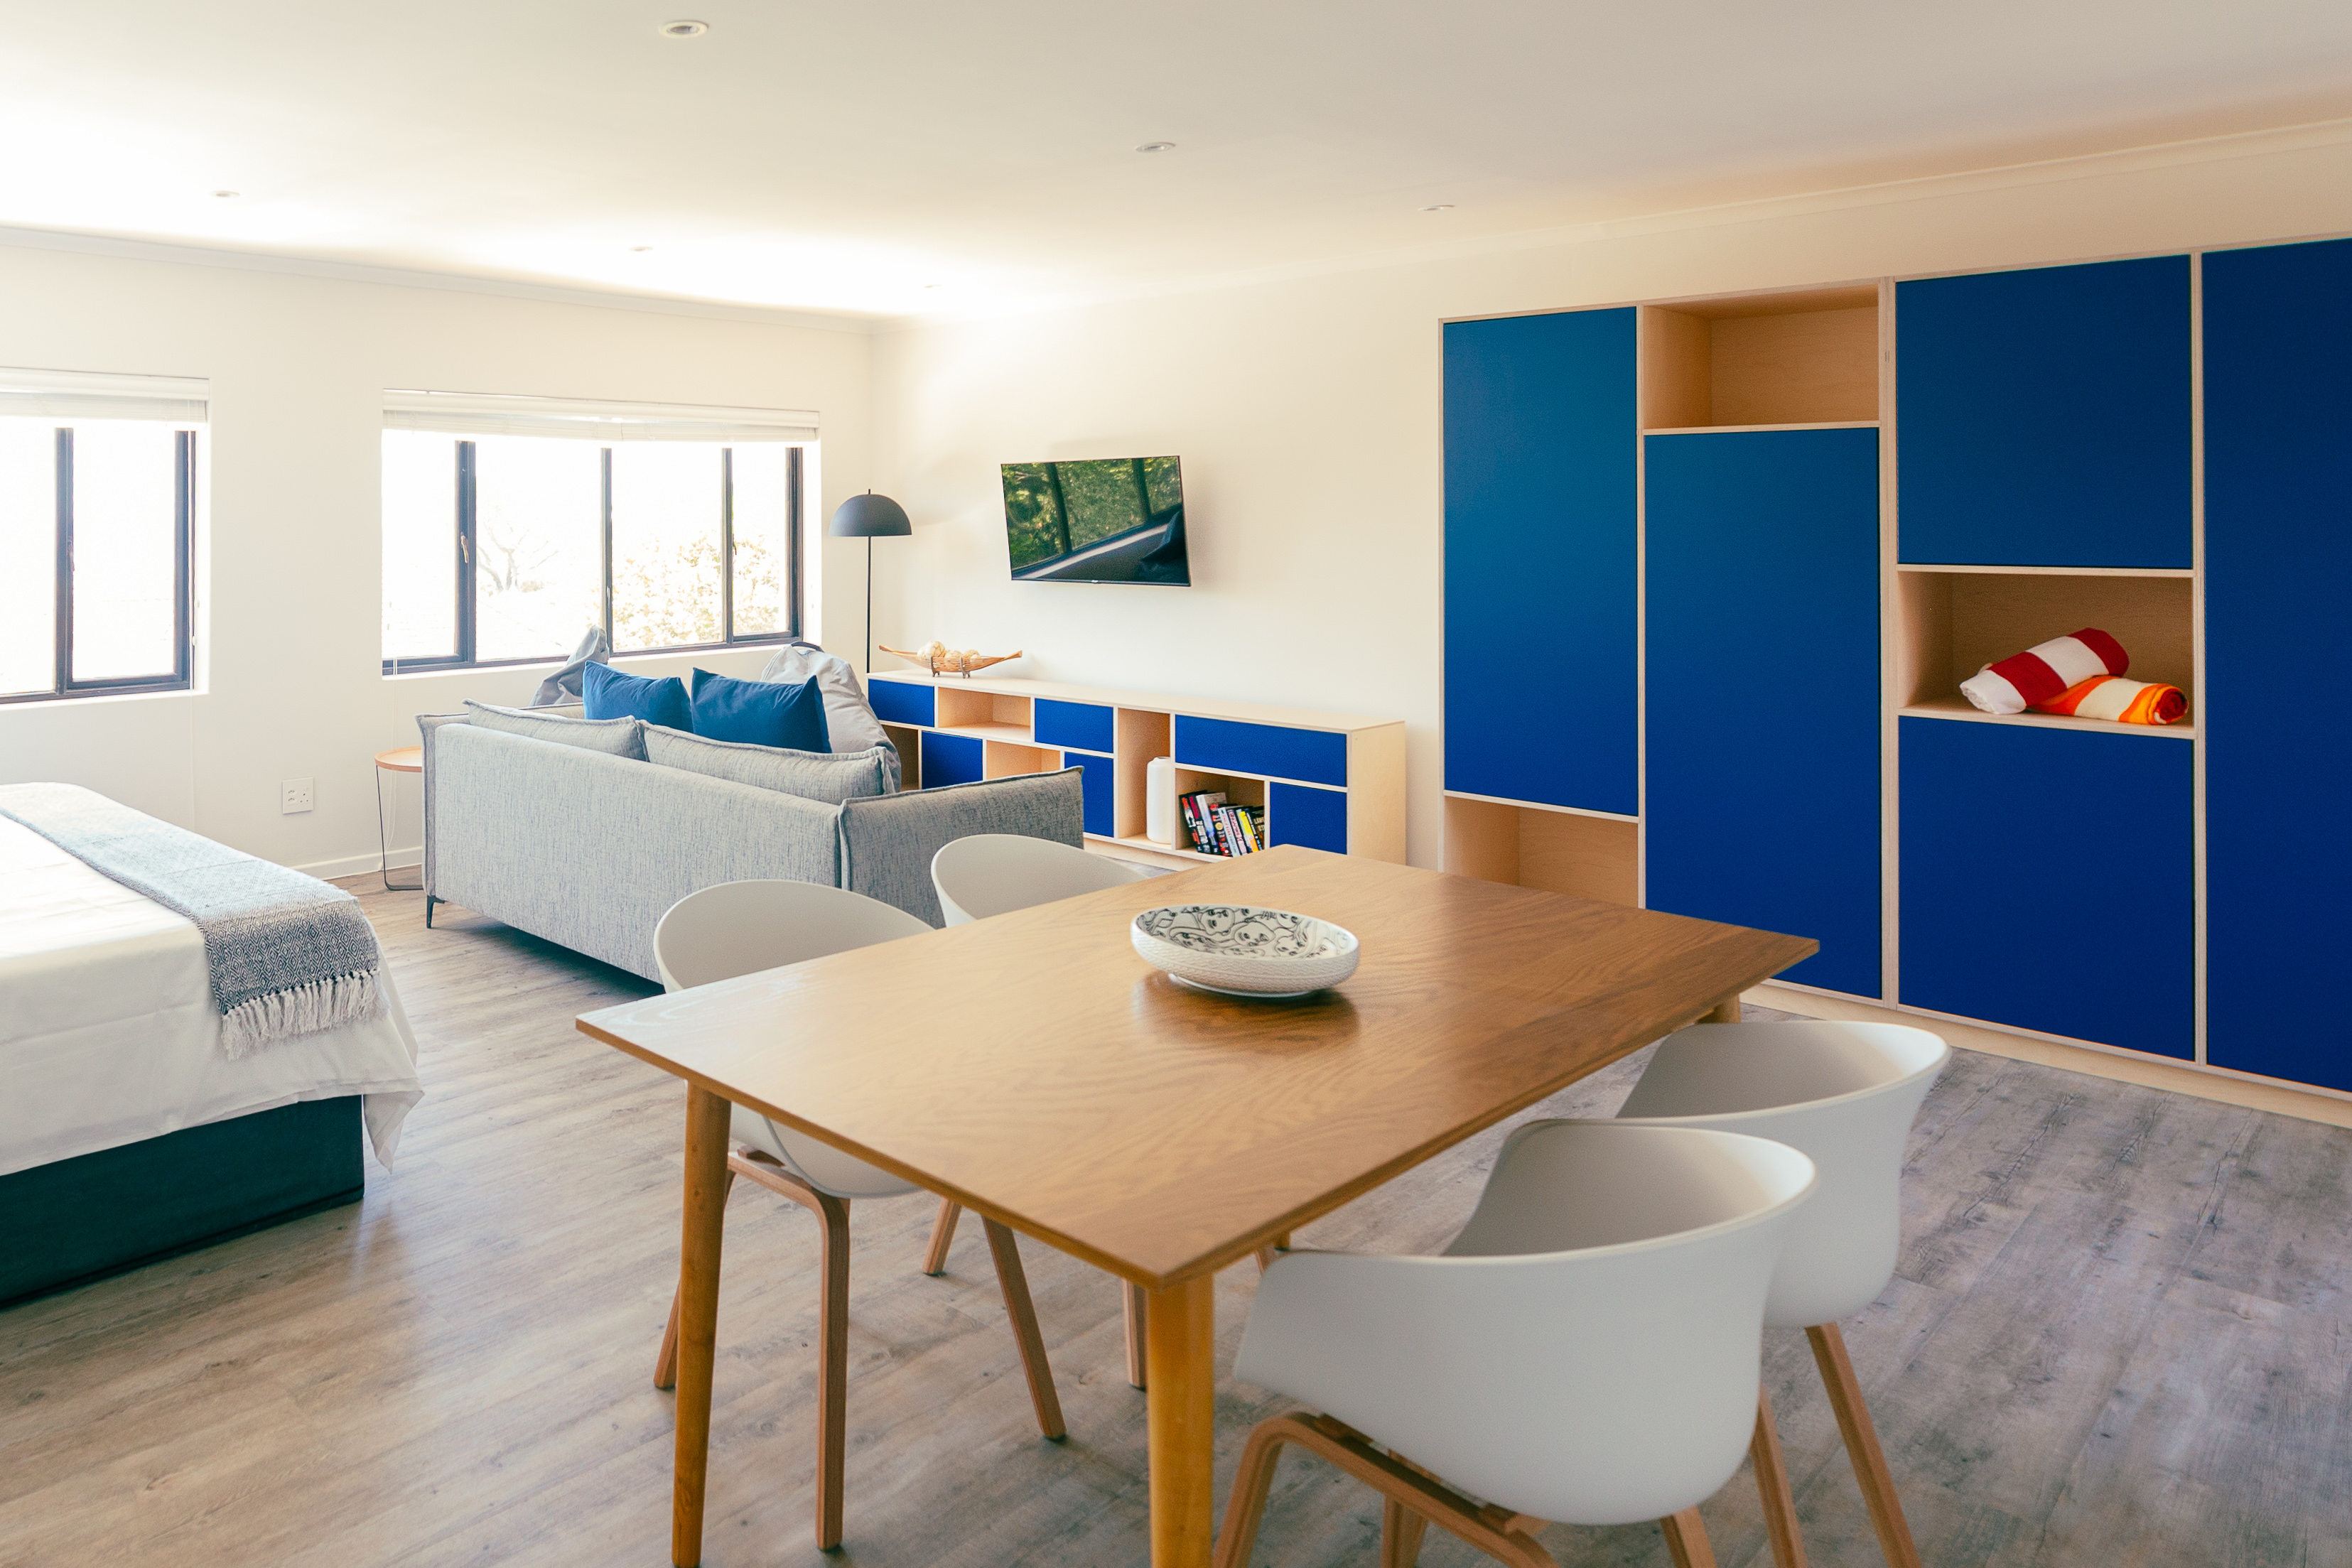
{"x":1772,"y":1486}
{"x":1862,"y":1447}
{"x":1400,"y":1533}
{"x":1136,"y":1305}
{"x":1271,"y":1250}
{"x":666,"y":1360}
{"x":1495,"y":1532}
{"x":1024,"y":1314}
{"x":944,"y":1229}
{"x":1686,"y":1541}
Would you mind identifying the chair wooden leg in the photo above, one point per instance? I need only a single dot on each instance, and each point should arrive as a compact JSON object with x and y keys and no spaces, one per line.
{"x":1400,"y":1533}
{"x":1135,"y":1302}
{"x":1862,"y":1447}
{"x":1772,"y":1486}
{"x":1024,"y":1314}
{"x":1686,"y":1541}
{"x":666,"y":1360}
{"x":944,"y":1229}
{"x":1271,"y":1250}
{"x":1496,"y":1531}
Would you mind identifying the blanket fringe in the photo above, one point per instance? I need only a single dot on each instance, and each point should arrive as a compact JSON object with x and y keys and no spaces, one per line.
{"x":298,"y":1011}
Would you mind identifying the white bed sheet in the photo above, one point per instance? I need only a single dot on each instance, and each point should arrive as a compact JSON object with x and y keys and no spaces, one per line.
{"x":108,"y":1032}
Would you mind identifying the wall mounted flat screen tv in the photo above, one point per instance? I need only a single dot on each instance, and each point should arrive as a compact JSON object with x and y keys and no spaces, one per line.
{"x":1112,"y":519}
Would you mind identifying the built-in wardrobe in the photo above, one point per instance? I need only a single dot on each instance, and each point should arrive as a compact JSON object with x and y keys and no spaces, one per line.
{"x":1716,"y":567}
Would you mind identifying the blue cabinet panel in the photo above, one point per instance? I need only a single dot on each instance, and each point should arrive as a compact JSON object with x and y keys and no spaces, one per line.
{"x":1318,"y":818}
{"x":1094,"y":779}
{"x":2045,"y":415}
{"x":901,"y":702}
{"x":1763,"y":806}
{"x":953,"y":759}
{"x":2278,"y":551}
{"x":2082,"y":924}
{"x":1319,"y":755}
{"x":1087,"y":726}
{"x":1540,"y":539}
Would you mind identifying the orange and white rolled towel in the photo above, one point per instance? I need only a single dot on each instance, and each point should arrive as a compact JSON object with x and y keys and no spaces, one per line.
{"x":2125,"y":701}
{"x":2045,"y":672}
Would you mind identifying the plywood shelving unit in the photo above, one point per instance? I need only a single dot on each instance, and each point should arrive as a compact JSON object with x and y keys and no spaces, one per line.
{"x":1770,"y":361}
{"x":1557,"y":852}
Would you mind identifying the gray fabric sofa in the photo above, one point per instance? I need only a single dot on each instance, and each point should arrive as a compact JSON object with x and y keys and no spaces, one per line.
{"x":588,"y":850}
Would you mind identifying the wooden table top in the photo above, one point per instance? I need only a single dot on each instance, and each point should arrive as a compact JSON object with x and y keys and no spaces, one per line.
{"x":1032,"y":1067}
{"x":402,"y":759}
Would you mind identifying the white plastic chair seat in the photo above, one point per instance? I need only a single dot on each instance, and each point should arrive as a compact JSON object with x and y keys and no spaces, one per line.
{"x":1845,"y":1094}
{"x":995,"y":874}
{"x":1586,"y":1350}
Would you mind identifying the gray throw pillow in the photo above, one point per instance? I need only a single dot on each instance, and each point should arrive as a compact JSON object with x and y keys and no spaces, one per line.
{"x":830,"y":776}
{"x":616,"y":737}
{"x":849,"y":721}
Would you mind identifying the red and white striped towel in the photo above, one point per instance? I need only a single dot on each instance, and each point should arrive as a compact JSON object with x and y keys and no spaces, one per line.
{"x":2045,"y":670}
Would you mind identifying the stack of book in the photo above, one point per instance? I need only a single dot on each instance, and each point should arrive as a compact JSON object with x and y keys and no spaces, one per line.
{"x":1218,"y":828}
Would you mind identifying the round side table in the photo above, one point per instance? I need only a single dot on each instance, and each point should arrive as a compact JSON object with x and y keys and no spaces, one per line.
{"x":400,"y":760}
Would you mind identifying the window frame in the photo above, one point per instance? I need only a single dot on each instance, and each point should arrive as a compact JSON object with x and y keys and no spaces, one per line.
{"x":63,"y":686}
{"x":464,"y":584}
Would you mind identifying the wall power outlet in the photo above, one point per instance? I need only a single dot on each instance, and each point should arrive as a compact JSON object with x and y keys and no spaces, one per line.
{"x":293,"y":795}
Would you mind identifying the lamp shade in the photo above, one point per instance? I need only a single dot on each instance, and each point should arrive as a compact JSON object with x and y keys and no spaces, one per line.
{"x":870,"y":516}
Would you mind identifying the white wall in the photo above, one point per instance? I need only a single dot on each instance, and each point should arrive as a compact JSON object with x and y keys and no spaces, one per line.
{"x":1308,"y":414}
{"x":289,"y":665}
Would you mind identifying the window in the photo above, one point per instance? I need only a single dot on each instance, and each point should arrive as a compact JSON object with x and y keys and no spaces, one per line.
{"x":97,"y":528}
{"x":512,"y":526}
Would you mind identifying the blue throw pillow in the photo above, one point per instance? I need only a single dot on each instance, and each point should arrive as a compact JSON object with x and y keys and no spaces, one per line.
{"x":608,"y":693}
{"x":763,"y":713}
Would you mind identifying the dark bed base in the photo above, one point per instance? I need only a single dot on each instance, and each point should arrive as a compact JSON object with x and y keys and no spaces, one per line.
{"x":80,"y":1219}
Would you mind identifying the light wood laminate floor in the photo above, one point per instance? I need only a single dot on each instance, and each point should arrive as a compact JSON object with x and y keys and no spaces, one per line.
{"x":2119,"y":1335}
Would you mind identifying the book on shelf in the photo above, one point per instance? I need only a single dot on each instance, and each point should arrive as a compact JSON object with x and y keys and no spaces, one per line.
{"x":1195,"y":808}
{"x":1216,"y":827}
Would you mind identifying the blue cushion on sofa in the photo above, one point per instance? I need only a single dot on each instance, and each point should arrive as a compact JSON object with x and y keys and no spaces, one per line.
{"x":763,"y":713}
{"x":605,"y":692}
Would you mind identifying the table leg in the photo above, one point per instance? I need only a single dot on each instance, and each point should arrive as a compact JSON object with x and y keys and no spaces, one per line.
{"x":707,"y":1116}
{"x":1729,"y":1012}
{"x":1179,"y":1353}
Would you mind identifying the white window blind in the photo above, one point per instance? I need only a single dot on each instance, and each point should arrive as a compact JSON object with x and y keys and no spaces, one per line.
{"x":87,"y":395}
{"x":481,"y":414}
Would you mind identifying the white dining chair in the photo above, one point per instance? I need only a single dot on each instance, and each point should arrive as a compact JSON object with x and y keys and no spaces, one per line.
{"x":1586,"y":1350}
{"x":997,"y":874}
{"x":1845,"y":1094}
{"x":741,"y":927}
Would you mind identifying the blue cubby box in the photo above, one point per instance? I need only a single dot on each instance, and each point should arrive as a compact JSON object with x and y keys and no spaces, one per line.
{"x":1081,"y":727}
{"x":953,"y":759}
{"x":2088,"y":932}
{"x":1542,"y":525}
{"x":902,"y":702}
{"x":1268,"y":750}
{"x":1096,"y":779}
{"x":2278,"y":551}
{"x":1763,"y":564}
{"x":1298,"y":814}
{"x":2046,"y":415}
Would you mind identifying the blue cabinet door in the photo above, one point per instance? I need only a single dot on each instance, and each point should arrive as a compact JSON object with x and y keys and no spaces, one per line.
{"x":1299,"y":814}
{"x":1763,"y":805}
{"x":2049,"y":880}
{"x":2278,"y":551}
{"x":902,"y":702}
{"x":1540,"y":540}
{"x":1090,"y":727}
{"x":953,"y":759}
{"x":2044,"y":415}
{"x":1096,"y":789}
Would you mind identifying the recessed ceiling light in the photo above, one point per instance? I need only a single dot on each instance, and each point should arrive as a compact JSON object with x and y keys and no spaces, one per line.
{"x":1441,"y":207}
{"x":1157,"y":147}
{"x":225,"y":195}
{"x":934,"y":285}
{"x":684,"y":29}
{"x":641,"y":249}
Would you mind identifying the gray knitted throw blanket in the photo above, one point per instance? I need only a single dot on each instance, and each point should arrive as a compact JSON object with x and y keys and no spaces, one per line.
{"x":290,"y":954}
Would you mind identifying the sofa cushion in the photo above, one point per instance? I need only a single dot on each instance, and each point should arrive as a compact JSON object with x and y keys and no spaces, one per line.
{"x":763,"y":713}
{"x":615,"y":737}
{"x":608,"y":693}
{"x":829,"y":777}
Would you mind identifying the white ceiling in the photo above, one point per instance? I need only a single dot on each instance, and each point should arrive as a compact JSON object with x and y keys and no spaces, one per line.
{"x":917,"y":156}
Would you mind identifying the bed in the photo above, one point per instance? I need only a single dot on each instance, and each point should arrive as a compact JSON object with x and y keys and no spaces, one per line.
{"x":126,"y":1133}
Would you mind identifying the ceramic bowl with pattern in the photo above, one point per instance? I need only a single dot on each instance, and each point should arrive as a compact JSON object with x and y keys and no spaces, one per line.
{"x":1241,"y":950}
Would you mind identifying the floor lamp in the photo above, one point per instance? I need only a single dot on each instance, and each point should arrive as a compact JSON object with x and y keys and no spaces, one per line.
{"x":870,"y":517}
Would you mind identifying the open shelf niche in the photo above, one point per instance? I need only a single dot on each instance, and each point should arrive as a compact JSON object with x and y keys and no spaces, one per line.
{"x":1556,"y":851}
{"x":1804,"y":357}
{"x":1953,"y":620}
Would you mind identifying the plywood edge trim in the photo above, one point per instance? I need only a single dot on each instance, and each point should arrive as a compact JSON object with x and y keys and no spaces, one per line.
{"x":1541,"y":806}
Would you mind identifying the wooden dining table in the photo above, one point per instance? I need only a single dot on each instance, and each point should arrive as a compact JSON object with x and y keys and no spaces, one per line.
{"x":1032,"y":1067}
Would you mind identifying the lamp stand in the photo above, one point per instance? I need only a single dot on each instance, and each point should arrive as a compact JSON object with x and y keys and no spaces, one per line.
{"x":869,"y":606}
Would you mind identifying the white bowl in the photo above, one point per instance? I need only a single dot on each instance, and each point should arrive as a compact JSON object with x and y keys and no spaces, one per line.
{"x":1241,"y":950}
